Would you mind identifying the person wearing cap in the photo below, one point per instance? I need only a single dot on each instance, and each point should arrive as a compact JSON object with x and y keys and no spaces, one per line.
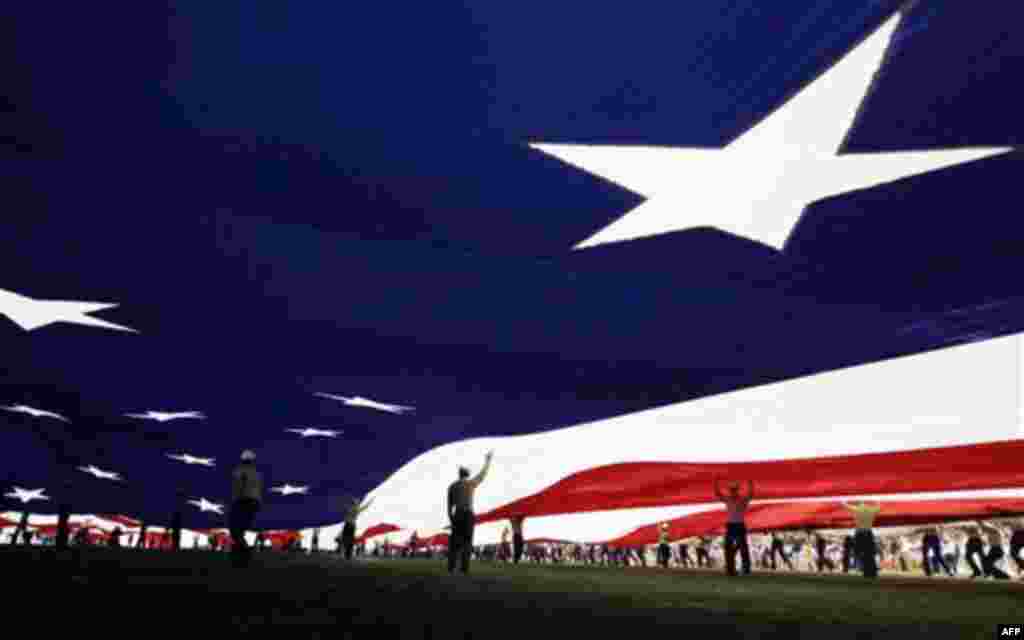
{"x":664,"y":552}
{"x":735,"y":526}
{"x":348,"y":532}
{"x":460,"y":514}
{"x":246,"y":500}
{"x":863,"y":539}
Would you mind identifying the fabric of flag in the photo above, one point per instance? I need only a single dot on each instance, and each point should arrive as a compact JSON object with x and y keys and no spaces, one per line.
{"x":437,"y":540}
{"x":281,"y":539}
{"x":825,"y":515}
{"x":123,"y":521}
{"x":219,"y":214}
{"x":993,"y":465}
{"x":377,"y":530}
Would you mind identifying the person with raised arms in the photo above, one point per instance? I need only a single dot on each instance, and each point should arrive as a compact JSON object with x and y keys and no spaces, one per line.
{"x":864,"y":539}
{"x":735,"y":526}
{"x":348,"y":531}
{"x":460,"y":515}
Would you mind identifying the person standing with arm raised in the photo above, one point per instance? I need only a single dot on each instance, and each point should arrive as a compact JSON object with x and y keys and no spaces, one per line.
{"x":735,"y":526}
{"x":460,"y":515}
{"x":348,"y":531}
{"x":864,"y":539}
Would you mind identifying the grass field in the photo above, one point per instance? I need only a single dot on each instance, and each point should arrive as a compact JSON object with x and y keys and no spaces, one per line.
{"x":198,"y":592}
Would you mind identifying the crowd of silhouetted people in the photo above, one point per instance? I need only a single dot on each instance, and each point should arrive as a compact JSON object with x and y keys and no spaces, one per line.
{"x":934,"y":550}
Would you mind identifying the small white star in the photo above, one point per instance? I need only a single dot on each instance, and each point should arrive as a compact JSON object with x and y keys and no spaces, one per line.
{"x":99,"y":473}
{"x":161,"y":416}
{"x":31,"y":314}
{"x":205,"y":505}
{"x":758,"y":186}
{"x":27,"y":495}
{"x":187,"y":459}
{"x":365,"y":402}
{"x":310,"y":432}
{"x":288,"y":490}
{"x":36,"y":413}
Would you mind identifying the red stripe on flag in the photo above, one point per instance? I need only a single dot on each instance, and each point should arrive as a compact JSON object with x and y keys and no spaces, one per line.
{"x":662,"y":484}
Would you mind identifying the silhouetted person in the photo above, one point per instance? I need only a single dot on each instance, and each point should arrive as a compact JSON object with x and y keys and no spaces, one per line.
{"x":848,"y":553}
{"x":896,"y":550}
{"x":995,"y":552}
{"x":316,"y":541}
{"x":824,"y":562}
{"x":114,"y":542}
{"x":506,"y":545}
{"x":247,"y":498}
{"x":517,"y":537}
{"x":702,"y":551}
{"x":641,"y":555}
{"x":460,"y":515}
{"x":1017,"y":545}
{"x":684,"y":555}
{"x":348,"y":531}
{"x":141,"y":543}
{"x":953,"y":551}
{"x":176,"y":530}
{"x":931,"y":553}
{"x":21,"y":529}
{"x":864,"y":539}
{"x":974,"y":552}
{"x":778,"y":548}
{"x":664,"y":551}
{"x":735,"y":526}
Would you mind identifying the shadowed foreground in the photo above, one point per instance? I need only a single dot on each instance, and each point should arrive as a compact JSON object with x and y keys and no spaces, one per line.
{"x":195,"y":591}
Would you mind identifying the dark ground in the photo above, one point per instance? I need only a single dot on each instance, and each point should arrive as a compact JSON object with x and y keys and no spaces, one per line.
{"x":102,"y":593}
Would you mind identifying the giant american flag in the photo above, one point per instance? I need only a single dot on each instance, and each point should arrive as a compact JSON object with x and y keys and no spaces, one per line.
{"x":365,"y":241}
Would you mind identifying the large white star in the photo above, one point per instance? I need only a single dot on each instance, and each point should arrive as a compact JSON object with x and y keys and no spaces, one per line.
{"x":366,"y":402}
{"x":35,"y":413}
{"x":161,"y":416}
{"x":287,"y":489}
{"x":311,"y":432}
{"x":31,"y":314}
{"x":99,"y":473}
{"x":26,"y":495}
{"x":205,"y":505}
{"x":187,"y":459}
{"x":758,"y":186}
